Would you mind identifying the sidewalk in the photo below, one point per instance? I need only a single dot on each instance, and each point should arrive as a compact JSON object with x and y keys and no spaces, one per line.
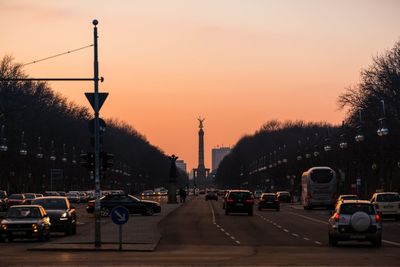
{"x":140,"y":233}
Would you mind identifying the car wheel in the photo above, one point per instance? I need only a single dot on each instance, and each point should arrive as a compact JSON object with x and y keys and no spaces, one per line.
{"x":277,"y":209}
{"x":149,"y":211}
{"x":10,"y":238}
{"x":104,"y":212}
{"x":397,"y":218}
{"x":68,"y":230}
{"x":74,"y":229}
{"x":250,"y":213}
{"x":226,"y":211}
{"x":377,"y":242}
{"x":259,"y":208}
{"x":41,"y":237}
{"x":47,"y":235}
{"x":332,"y":241}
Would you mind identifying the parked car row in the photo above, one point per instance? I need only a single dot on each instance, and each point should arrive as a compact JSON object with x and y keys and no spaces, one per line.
{"x":38,"y":219}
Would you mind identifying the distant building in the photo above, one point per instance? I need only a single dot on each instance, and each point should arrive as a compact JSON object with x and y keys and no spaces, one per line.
{"x":181,"y":164}
{"x":217,"y":156}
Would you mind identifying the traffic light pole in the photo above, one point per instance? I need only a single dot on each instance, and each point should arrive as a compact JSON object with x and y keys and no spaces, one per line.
{"x":97,"y":231}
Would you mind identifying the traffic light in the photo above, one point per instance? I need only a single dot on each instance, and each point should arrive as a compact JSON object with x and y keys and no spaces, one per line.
{"x":106,"y":161}
{"x":87,"y":161}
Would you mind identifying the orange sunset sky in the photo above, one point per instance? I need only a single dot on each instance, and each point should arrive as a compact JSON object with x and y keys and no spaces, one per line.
{"x":236,"y":63}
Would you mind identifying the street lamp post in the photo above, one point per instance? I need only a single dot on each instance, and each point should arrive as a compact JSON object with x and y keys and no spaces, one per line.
{"x":359,"y":138}
{"x":343,"y":148}
{"x":382,"y":132}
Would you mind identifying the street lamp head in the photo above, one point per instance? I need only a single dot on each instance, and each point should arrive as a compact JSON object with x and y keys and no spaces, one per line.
{"x":52,"y":158}
{"x":299,"y":157}
{"x":327,"y":148}
{"x":359,"y":138}
{"x":383,"y":131}
{"x":95,"y":22}
{"x":316,"y":154}
{"x":39,"y":155}
{"x":308,"y":155}
{"x":343,"y":145}
{"x":3,"y":148}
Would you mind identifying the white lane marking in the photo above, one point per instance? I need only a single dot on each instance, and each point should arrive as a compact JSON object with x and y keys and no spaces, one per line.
{"x":212,"y":212}
{"x":80,"y":223}
{"x":317,"y":242}
{"x":218,"y":226}
{"x":391,"y":243}
{"x":296,"y":235}
{"x":280,"y":226}
{"x":308,"y":218}
{"x":323,"y":222}
{"x":286,"y":230}
{"x":305,"y":238}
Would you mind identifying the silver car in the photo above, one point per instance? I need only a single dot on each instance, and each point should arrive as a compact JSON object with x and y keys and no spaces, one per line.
{"x":355,"y":220}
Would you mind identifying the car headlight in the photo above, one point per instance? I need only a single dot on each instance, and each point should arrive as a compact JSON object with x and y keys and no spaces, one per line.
{"x":35,"y":227}
{"x":64,"y":215}
{"x":4,"y":227}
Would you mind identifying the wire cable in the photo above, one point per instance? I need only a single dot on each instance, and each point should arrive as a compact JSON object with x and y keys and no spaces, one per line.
{"x":68,"y":52}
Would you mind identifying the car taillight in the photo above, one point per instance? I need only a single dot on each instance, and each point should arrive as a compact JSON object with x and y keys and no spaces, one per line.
{"x":250,"y":200}
{"x":336,"y":217}
{"x":229,"y":200}
{"x":377,"y":217}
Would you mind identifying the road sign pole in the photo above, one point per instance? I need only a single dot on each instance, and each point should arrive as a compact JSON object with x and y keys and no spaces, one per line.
{"x":97,"y":232}
{"x":120,"y":237}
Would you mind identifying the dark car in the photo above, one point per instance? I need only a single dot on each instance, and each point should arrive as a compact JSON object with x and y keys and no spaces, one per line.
{"x":29,"y":197}
{"x":62,"y":214}
{"x":268,"y":201}
{"x":212,"y":195}
{"x":241,"y":201}
{"x":355,"y":220}
{"x":51,"y":193}
{"x":284,"y":196}
{"x":27,"y":221}
{"x":16,"y":199}
{"x":133,"y":204}
{"x":3,"y":200}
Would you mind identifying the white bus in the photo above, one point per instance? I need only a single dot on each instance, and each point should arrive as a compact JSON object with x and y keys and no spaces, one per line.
{"x":319,"y":188}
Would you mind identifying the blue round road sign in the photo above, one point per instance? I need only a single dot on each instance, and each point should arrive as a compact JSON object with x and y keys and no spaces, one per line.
{"x":119,"y":215}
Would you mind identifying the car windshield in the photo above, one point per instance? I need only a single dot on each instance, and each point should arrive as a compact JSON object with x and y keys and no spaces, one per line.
{"x":23,"y":212}
{"x":30,"y":196}
{"x":350,"y":209}
{"x":388,"y":197}
{"x":51,"y":203}
{"x":15,"y":196}
{"x":239,"y":195}
{"x":321,"y":176}
{"x":349,"y":197}
{"x":268,"y":197}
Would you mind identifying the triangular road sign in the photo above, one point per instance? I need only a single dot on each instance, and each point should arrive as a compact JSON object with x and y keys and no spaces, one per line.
{"x":102,"y":99}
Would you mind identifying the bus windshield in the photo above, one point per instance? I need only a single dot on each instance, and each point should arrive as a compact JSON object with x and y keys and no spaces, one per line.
{"x":321,"y":176}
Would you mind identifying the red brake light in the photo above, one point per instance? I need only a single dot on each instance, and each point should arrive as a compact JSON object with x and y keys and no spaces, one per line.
{"x":250,"y":200}
{"x":229,"y":200}
{"x":377,"y":217}
{"x":336,"y":217}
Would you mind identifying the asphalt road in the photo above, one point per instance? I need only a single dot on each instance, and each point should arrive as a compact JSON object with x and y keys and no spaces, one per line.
{"x":200,"y":234}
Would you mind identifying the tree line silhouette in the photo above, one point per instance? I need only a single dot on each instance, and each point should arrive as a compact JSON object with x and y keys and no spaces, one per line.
{"x":43,"y":133}
{"x":364,"y":150}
